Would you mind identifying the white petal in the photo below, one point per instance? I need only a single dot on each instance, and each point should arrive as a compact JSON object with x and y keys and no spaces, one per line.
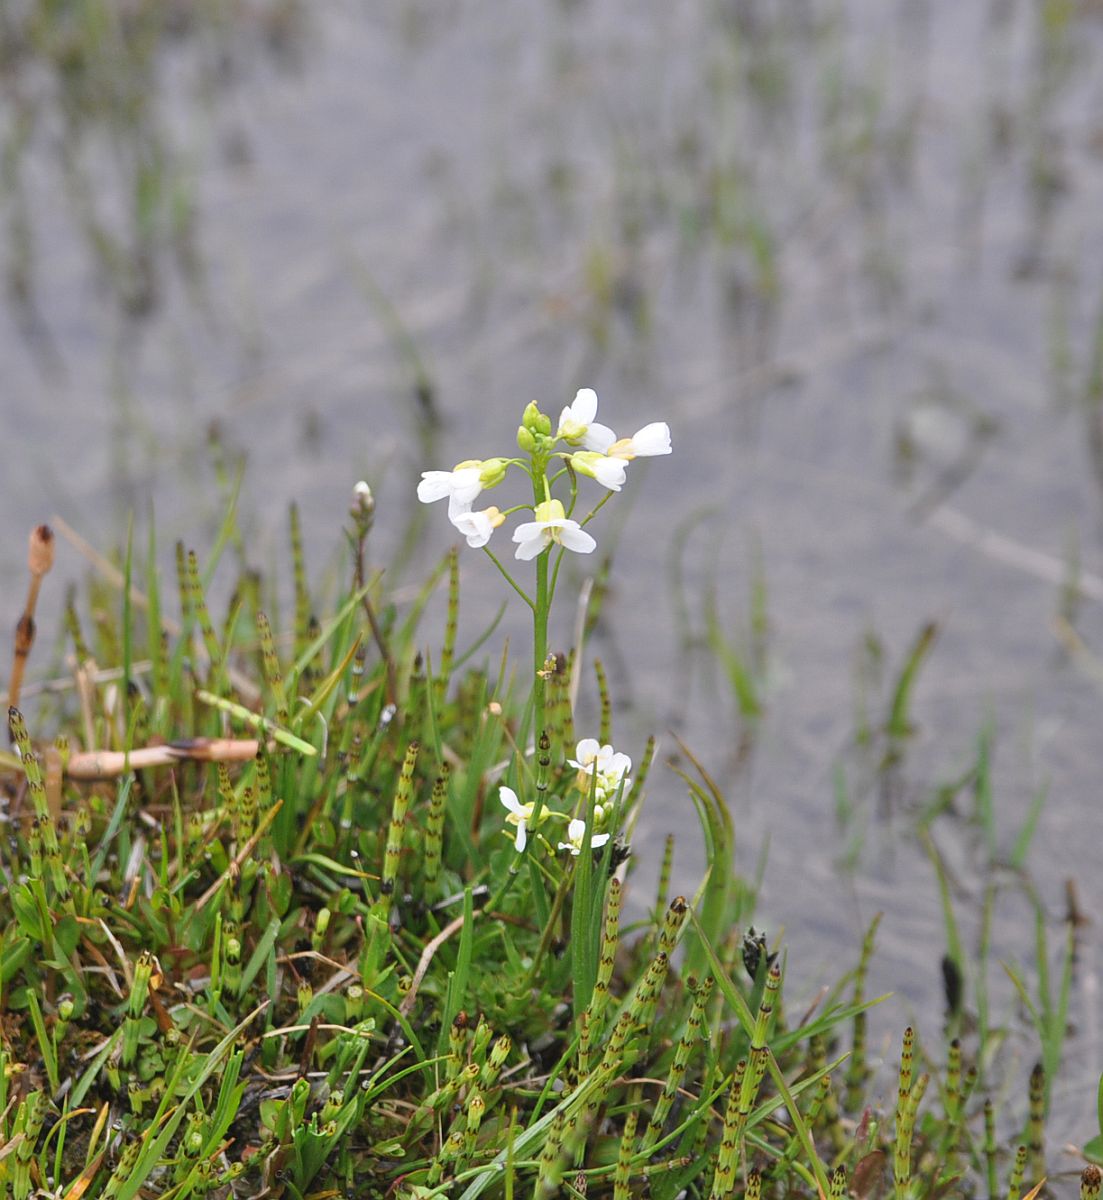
{"x":584,"y":407}
{"x":618,"y":765}
{"x":434,"y":485}
{"x":599,"y":839}
{"x":509,"y":798}
{"x":575,"y":831}
{"x":587,"y":750}
{"x":652,"y":439}
{"x":530,"y":546}
{"x":466,"y":484}
{"x":598,"y":437}
{"x":519,"y":840}
{"x":475,"y":526}
{"x":609,"y":472}
{"x":575,"y":538}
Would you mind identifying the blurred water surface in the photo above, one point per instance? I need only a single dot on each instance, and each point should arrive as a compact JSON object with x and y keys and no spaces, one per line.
{"x":851,"y":250}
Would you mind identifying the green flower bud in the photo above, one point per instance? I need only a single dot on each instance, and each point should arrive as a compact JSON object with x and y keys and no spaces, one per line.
{"x":526,"y":443}
{"x":535,"y":421}
{"x":493,"y":471}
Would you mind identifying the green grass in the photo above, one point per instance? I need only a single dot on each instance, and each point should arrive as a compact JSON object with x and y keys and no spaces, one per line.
{"x":325,"y":972}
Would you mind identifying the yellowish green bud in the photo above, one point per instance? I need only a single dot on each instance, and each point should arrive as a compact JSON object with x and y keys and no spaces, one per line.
{"x":526,"y":442}
{"x":493,"y":471}
{"x":535,"y":421}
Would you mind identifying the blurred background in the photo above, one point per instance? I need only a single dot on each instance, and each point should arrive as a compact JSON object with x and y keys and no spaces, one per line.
{"x":852,"y":252}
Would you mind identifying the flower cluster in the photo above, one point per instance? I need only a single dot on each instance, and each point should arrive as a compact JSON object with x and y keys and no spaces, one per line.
{"x":600,"y":769}
{"x":592,"y":449}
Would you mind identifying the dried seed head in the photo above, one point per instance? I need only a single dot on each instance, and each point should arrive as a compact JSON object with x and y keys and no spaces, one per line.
{"x":40,"y":552}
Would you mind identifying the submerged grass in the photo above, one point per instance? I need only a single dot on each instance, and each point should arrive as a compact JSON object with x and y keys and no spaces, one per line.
{"x":264,"y":933}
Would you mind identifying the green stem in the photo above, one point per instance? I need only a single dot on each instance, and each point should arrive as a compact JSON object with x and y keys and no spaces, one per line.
{"x":508,"y":577}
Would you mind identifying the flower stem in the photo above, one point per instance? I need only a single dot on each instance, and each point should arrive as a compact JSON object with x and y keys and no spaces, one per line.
{"x":508,"y":577}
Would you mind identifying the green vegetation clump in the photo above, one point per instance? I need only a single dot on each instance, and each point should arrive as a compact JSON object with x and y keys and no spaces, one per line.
{"x":320,"y":912}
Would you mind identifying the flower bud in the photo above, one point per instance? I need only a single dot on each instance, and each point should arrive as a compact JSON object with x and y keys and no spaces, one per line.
{"x":526,"y":442}
{"x":535,"y":421}
{"x":493,"y":471}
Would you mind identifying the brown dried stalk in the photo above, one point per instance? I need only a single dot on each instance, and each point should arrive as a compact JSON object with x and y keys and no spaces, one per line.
{"x":108,"y":764}
{"x":40,"y":558}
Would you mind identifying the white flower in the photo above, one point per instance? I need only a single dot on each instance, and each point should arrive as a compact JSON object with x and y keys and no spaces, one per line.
{"x":609,"y":766}
{"x":578,"y":427}
{"x":551,"y":525}
{"x":475,"y":526}
{"x":644,"y":443}
{"x":519,"y":814}
{"x":609,"y":472}
{"x":576,"y":831}
{"x":461,"y":486}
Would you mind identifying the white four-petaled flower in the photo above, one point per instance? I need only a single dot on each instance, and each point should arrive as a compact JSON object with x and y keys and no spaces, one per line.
{"x":551,"y":525}
{"x":608,"y":471}
{"x":578,"y":427}
{"x":461,"y":486}
{"x":576,"y":831}
{"x":644,"y":443}
{"x":476,"y":526}
{"x":518,"y":814}
{"x":607,"y":766}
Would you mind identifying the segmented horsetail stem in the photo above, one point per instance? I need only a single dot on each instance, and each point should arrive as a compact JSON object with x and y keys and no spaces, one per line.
{"x":857,"y":1070}
{"x":761,"y":1029}
{"x":1018,"y":1170}
{"x":272,"y":672}
{"x":952,"y":1097}
{"x":202,"y":615}
{"x":434,"y":826}
{"x":723,"y":1177}
{"x":906,"y":1110}
{"x":605,"y":734}
{"x":672,"y":924}
{"x":585,"y":1044}
{"x":245,"y":814}
{"x":754,"y":1185}
{"x":392,"y":854}
{"x":907,"y":1063}
{"x":692,"y":1036}
{"x":639,"y":781}
{"x":623,"y":1170}
{"x":1091,"y":1182}
{"x":752,"y":1081}
{"x":457,"y":1046}
{"x":543,"y":769}
{"x":182,"y":586}
{"x":40,"y":558}
{"x":832,"y":1119}
{"x":1035,"y":1125}
{"x":665,"y":868}
{"x":549,"y":1167}
{"x":74,"y":628}
{"x":645,"y":994}
{"x":302,"y":595}
{"x":264,"y":779}
{"x":495,"y":1061}
{"x":451,"y":624}
{"x":562,"y":718}
{"x":606,"y":956}
{"x":838,"y":1184}
{"x":990,"y":1151}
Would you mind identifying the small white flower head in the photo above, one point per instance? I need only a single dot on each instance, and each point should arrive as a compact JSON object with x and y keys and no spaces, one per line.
{"x":517,"y":814}
{"x":476,"y":526}
{"x":644,"y":443}
{"x":609,"y":472}
{"x":578,"y":427}
{"x":610,"y":767}
{"x":460,"y":486}
{"x":576,"y":831}
{"x":551,"y":525}
{"x":362,"y":492}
